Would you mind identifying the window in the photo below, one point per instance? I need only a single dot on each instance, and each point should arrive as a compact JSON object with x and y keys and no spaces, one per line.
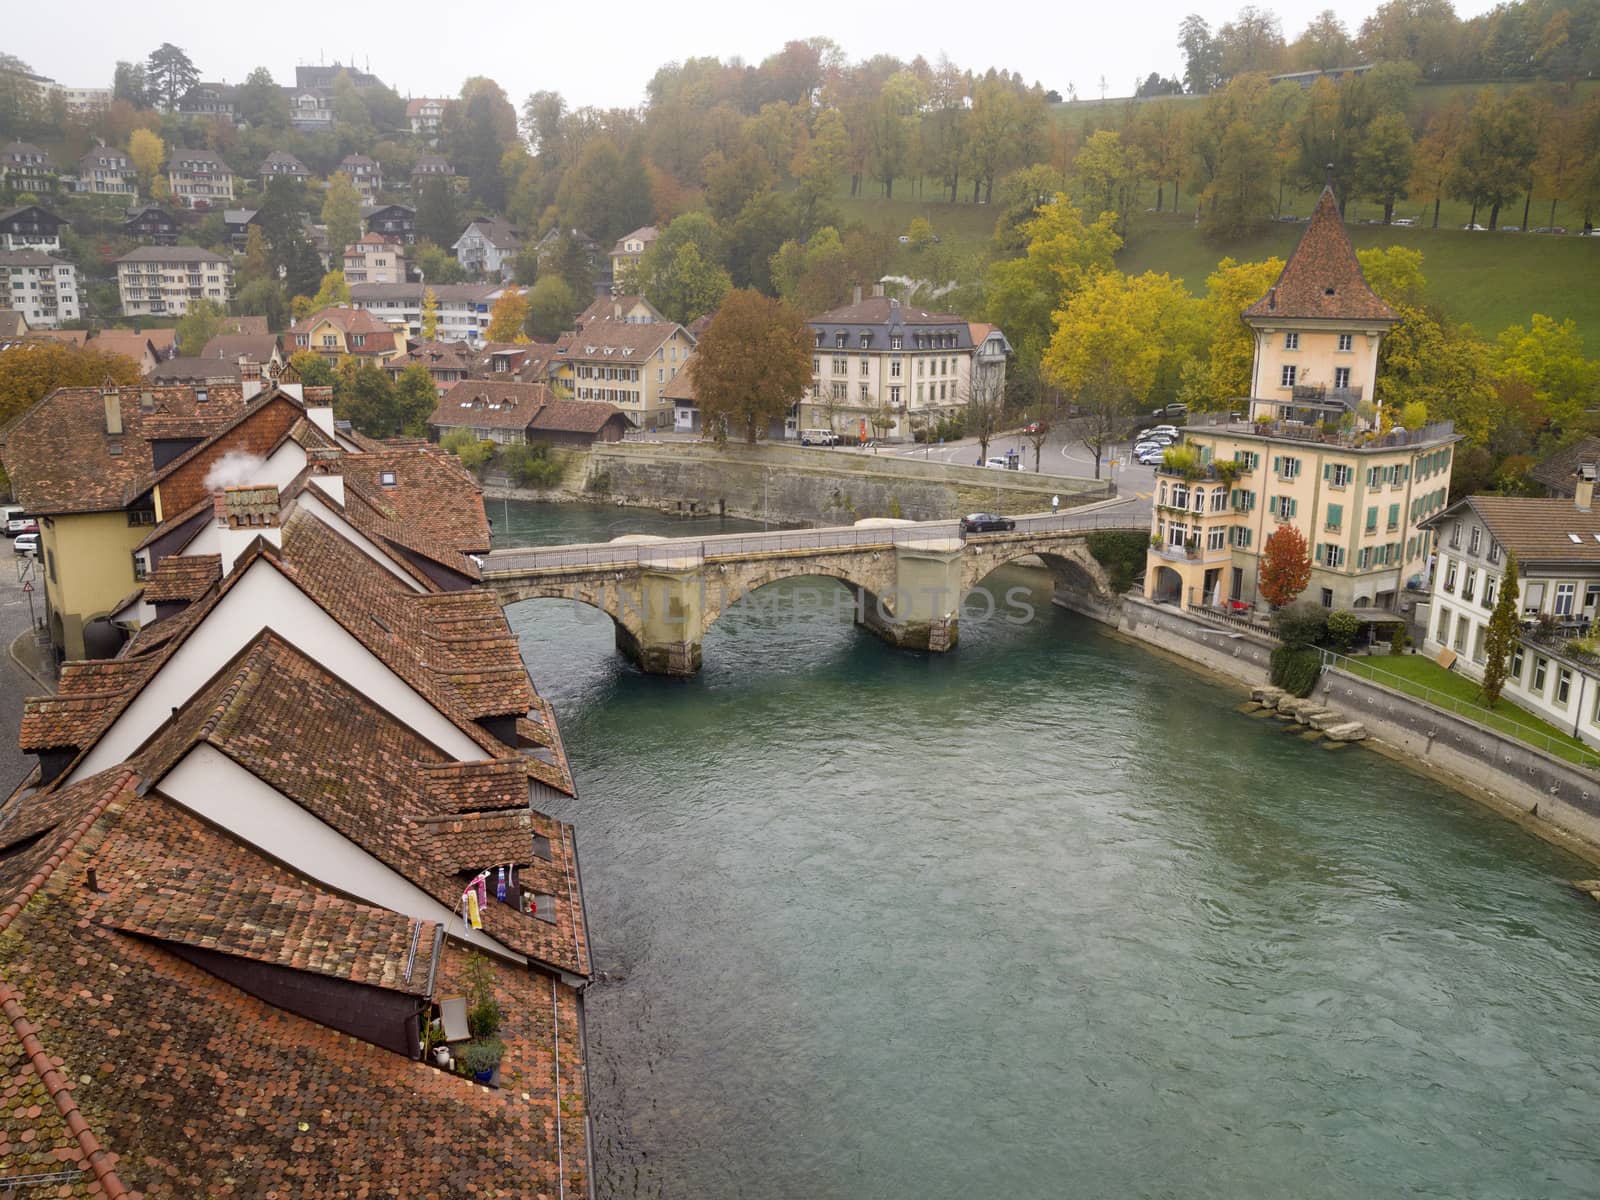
{"x":1491,"y":589}
{"x":1244,"y":500}
{"x":1564,"y":596}
{"x":896,"y":342}
{"x":1444,"y":627}
{"x":1216,"y":538}
{"x":1347,"y":342}
{"x":841,"y":365}
{"x":1394,"y":517}
{"x":1494,"y":551}
{"x":1239,"y":535}
{"x":866,"y":394}
{"x":1180,"y":495}
{"x":1291,"y":341}
{"x":1514,"y":671}
{"x":1341,"y":378}
{"x":894,"y":368}
{"x":1287,"y":466}
{"x":1455,"y":536}
{"x":1248,"y":459}
{"x":1469,"y":584}
{"x":1591,"y":597}
{"x":1219,"y":500}
{"x":1335,"y":518}
{"x":1533,"y":597}
{"x":1372,"y":519}
{"x":1288,"y":376}
{"x":1461,"y":635}
{"x":1476,"y":542}
{"x":1541,"y":666}
{"x":1327,"y":597}
{"x":1338,"y":474}
{"x":1478,"y":643}
{"x":1563,"y":686}
{"x":387,"y":478}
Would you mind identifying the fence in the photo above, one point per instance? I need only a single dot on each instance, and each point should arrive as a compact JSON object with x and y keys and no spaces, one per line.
{"x":1561,"y":746}
{"x":678,"y":551}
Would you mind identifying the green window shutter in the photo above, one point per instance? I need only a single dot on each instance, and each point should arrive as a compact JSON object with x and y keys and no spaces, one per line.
{"x":1394,"y":514}
{"x":1327,"y":470}
{"x":1277,"y":463}
{"x":1335,"y":515}
{"x":1372,"y":518}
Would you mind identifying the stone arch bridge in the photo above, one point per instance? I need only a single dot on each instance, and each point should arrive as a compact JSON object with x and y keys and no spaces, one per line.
{"x":907,"y":581}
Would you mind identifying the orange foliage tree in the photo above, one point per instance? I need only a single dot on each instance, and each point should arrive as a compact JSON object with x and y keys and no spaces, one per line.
{"x":1285,"y":566}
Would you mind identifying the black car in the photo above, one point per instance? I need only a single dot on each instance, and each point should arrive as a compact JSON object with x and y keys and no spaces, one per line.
{"x":986,"y":523}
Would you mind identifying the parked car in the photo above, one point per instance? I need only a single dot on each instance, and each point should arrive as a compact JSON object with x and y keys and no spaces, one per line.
{"x":27,"y":545}
{"x":1035,"y":427}
{"x":1404,"y":222}
{"x":1476,"y":228}
{"x":986,"y":523}
{"x":16,"y":525}
{"x":1511,"y":229}
{"x":818,"y":437}
{"x":1143,"y":448}
{"x":1549,"y":229}
{"x":1152,"y":457}
{"x":1004,"y":464}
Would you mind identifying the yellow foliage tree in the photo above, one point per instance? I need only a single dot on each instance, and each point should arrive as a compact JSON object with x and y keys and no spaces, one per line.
{"x":1230,"y":289}
{"x":148,"y":152}
{"x":508,"y":316}
{"x":28,"y":374}
{"x":430,"y":315}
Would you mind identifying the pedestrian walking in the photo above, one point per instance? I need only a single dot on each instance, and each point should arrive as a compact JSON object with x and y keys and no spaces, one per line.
{"x":1055,"y":505}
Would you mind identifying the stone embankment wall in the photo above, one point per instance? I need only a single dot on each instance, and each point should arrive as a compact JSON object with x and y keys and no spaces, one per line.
{"x":1553,"y":797}
{"x":793,"y":485}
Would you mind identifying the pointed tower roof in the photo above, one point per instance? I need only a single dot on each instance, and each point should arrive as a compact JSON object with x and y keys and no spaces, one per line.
{"x":1322,"y":278}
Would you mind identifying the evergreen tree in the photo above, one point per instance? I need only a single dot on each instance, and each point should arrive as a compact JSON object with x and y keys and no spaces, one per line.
{"x":436,"y":213}
{"x":169,"y":75}
{"x":1503,"y":628}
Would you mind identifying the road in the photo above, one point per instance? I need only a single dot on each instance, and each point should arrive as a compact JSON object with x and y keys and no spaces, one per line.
{"x":15,"y":683}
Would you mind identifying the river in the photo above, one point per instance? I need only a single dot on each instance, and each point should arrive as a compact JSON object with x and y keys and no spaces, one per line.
{"x":1043,"y":917}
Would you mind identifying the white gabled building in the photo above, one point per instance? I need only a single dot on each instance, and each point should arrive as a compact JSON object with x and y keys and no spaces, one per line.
{"x":43,"y":289}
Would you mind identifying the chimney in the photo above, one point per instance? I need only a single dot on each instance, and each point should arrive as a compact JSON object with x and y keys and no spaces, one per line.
{"x":1583,"y":494}
{"x":330,"y":484}
{"x":244,"y":514}
{"x":147,"y":401}
{"x":319,"y":408}
{"x":855,"y":294}
{"x":113,"y":405}
{"x":250,"y":378}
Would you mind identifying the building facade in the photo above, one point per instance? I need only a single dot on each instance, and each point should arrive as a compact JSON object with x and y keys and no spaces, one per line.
{"x":282,"y":165}
{"x":1357,"y":490}
{"x":876,"y":357}
{"x":630,"y":249}
{"x":1554,"y":670}
{"x":365,"y":174}
{"x":167,"y":280}
{"x":30,"y":227}
{"x":617,"y":357}
{"x":107,"y":171}
{"x":26,"y":168}
{"x":463,"y":308}
{"x":375,"y":259}
{"x":488,"y":248}
{"x":199,"y":179}
{"x":42,"y":288}
{"x":397,"y":221}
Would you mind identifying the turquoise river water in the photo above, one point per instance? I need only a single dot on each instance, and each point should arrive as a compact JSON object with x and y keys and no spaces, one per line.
{"x":1043,"y":917}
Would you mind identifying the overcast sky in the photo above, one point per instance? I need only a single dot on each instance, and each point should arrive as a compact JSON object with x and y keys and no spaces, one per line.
{"x":604,"y":57}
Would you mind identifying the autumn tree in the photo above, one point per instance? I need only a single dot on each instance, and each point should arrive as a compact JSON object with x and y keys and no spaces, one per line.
{"x":1112,"y":343}
{"x":364,"y":395}
{"x":147,"y":152}
{"x":1498,"y":147}
{"x":983,"y":395}
{"x":551,"y":307}
{"x":430,"y":315}
{"x":507,"y":318}
{"x":1285,"y":566}
{"x":1548,"y":356}
{"x":1222,"y":375}
{"x":341,"y":213}
{"x":1433,"y":161}
{"x":415,"y":398}
{"x":30,"y":373}
{"x":197,"y":327}
{"x":1384,"y":162}
{"x":436,"y":220}
{"x":752,"y":365}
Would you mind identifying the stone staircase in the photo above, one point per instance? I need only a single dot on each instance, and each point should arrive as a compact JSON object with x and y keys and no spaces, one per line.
{"x":1332,"y":725}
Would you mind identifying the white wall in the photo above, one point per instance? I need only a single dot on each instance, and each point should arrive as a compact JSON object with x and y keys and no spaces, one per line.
{"x":212,"y":785}
{"x":314,"y":504}
{"x":264,"y":599}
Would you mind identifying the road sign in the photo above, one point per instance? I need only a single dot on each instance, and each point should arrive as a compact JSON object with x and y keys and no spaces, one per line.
{"x":28,"y":586}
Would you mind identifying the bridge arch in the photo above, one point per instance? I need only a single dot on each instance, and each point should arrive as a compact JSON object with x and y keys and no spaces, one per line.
{"x":726,"y":588}
{"x":613,"y":598}
{"x":1069,"y":563}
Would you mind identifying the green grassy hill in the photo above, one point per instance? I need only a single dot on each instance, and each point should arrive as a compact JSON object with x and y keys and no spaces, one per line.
{"x":1490,"y":280}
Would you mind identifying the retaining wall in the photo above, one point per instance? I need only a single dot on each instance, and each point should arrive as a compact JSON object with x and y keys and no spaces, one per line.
{"x":795,"y":485}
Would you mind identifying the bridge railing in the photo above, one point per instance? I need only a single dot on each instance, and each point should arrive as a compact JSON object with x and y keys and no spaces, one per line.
{"x":680,"y":551}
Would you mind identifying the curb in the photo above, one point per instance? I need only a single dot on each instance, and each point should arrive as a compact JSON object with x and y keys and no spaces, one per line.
{"x":24,"y":667}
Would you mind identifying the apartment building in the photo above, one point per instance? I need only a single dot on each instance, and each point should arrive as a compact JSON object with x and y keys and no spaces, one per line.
{"x":876,"y":352}
{"x":365,"y":174}
{"x":1554,"y":669}
{"x":1357,"y":488}
{"x":375,"y":259}
{"x":619,"y":356}
{"x":43,"y":289}
{"x":166,"y":280}
{"x":463,"y":308}
{"x":26,"y":168}
{"x":199,"y":179}
{"x":107,"y":171}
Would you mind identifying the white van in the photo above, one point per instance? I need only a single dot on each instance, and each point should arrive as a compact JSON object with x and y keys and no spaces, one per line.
{"x":1004,"y":464}
{"x":818,"y":437}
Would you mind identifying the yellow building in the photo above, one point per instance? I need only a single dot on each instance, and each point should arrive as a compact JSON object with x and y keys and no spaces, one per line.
{"x":82,"y":461}
{"x":622,"y":352}
{"x":1311,"y":454}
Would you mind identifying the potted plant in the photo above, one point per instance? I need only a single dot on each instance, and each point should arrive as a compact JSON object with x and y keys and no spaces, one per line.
{"x":433,"y":1044}
{"x":483,"y":1014}
{"x":480,"y":1057}
{"x":1155,"y":541}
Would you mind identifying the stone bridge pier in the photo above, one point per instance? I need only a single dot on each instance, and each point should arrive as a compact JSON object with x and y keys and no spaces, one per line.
{"x":909,"y":592}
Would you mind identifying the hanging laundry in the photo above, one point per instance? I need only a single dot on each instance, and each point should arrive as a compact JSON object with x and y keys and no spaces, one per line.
{"x":480,"y":885}
{"x":500,"y":886}
{"x":474,"y":913}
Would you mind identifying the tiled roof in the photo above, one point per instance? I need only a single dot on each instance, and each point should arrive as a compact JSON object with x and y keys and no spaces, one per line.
{"x":230,"y":347}
{"x":1556,"y":472}
{"x":681,"y":385}
{"x":627,"y":342}
{"x":281,"y":162}
{"x":1541,"y":530}
{"x":1323,"y":279}
{"x":884,"y":310}
{"x":85,"y":698}
{"x":122,"y":341}
{"x":348,"y":320}
{"x":178,"y":901}
{"x":195,"y":370}
{"x":190,"y":1086}
{"x":645,"y":234}
{"x":489,"y":404}
{"x":164,"y":254}
{"x":431,"y":495}
{"x":61,"y":459}
{"x":574,"y":416}
{"x":183,"y":578}
{"x":438,"y":356}
{"x":495,"y":783}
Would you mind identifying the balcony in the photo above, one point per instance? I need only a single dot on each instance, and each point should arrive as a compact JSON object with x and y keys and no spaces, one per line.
{"x":1348,"y":397}
{"x":1191,"y":552}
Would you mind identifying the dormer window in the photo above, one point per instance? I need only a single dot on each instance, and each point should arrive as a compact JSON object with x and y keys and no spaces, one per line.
{"x":388,"y":478}
{"x":865,"y":339}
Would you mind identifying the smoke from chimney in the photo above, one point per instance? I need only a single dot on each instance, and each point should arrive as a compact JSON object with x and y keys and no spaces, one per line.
{"x":234,"y":469}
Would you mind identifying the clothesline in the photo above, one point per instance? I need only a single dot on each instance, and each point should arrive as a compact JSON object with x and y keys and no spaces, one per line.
{"x":475,"y":897}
